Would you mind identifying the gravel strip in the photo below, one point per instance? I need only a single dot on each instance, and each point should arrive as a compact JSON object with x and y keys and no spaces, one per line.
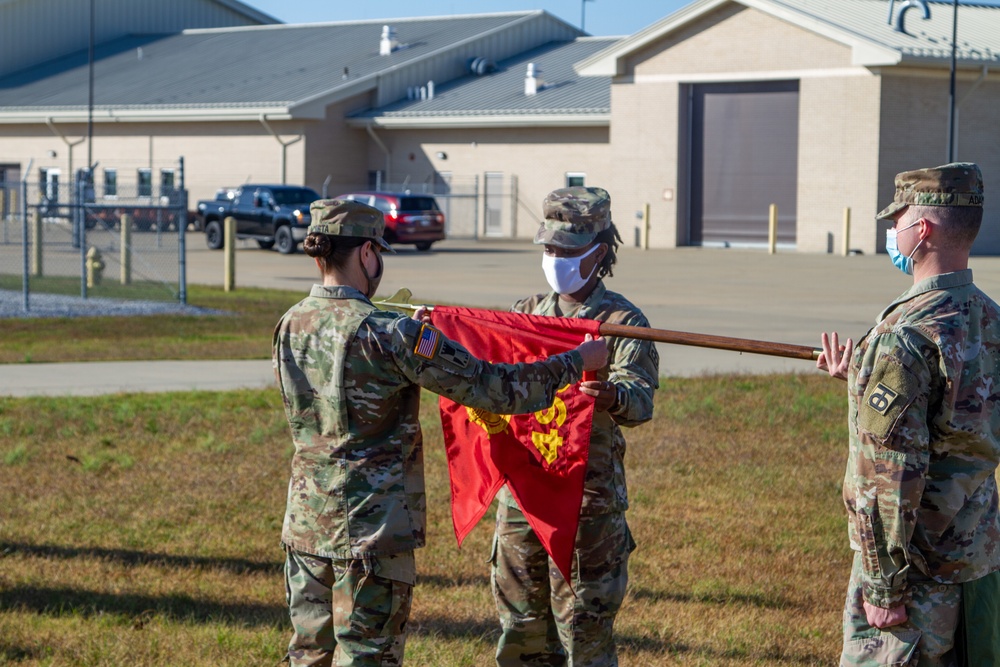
{"x":60,"y":305}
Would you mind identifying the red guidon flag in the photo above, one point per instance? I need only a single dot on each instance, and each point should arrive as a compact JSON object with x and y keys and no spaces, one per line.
{"x":542,"y":457}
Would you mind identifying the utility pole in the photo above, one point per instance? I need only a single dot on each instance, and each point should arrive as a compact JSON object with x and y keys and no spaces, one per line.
{"x":90,"y":93}
{"x":951,"y":93}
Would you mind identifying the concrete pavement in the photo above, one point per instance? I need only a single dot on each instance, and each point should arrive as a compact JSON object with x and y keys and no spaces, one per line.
{"x":787,"y":297}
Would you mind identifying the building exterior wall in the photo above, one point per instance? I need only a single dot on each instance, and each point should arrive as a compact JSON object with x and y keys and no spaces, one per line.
{"x":838,"y":162}
{"x":539,"y":158}
{"x":34,"y":31}
{"x":335,"y":151}
{"x":650,"y":139}
{"x":914,"y":134}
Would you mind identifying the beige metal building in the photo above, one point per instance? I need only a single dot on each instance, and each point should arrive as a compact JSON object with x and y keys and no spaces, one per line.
{"x":708,"y":116}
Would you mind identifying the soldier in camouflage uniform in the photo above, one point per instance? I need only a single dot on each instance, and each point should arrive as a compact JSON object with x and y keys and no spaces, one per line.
{"x":546,"y":620}
{"x":350,"y":376}
{"x":924,"y":421}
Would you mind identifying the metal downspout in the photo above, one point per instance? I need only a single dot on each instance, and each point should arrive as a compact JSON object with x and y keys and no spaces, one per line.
{"x":284,"y":146}
{"x":69,"y":144}
{"x":378,"y":141}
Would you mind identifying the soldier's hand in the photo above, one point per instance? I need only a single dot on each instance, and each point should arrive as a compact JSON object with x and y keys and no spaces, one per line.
{"x":422,"y":314}
{"x":594,"y":353}
{"x":884,"y":618}
{"x":835,"y":358}
{"x":604,"y":394}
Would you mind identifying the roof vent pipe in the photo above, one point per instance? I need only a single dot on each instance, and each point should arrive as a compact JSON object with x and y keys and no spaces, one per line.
{"x":532,"y":84}
{"x":430,"y":89}
{"x":388,"y":43}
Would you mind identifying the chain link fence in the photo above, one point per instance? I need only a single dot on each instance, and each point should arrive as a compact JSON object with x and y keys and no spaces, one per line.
{"x":65,"y":239}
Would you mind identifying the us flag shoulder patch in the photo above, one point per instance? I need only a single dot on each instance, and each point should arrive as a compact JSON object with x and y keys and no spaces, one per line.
{"x":427,"y":342}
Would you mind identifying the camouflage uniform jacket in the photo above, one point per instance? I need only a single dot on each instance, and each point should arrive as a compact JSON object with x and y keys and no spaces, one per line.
{"x":634,"y":367}
{"x":350,"y":376}
{"x":924,"y":389}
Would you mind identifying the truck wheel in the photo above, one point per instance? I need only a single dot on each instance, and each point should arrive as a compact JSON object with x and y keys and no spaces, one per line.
{"x":424,"y":245}
{"x":265,"y":245}
{"x":213,"y":235}
{"x":284,"y":241}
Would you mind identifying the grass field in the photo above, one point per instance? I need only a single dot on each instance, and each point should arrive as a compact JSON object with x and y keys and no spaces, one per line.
{"x":143,"y":529}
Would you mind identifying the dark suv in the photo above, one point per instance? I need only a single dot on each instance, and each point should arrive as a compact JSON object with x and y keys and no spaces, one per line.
{"x":409,"y":218}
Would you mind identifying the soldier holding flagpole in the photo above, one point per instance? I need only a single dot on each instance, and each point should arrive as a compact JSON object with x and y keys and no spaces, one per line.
{"x":350,"y":377}
{"x":545,"y":619}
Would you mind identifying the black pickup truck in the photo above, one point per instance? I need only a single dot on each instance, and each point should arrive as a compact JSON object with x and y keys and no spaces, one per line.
{"x":273,"y":215}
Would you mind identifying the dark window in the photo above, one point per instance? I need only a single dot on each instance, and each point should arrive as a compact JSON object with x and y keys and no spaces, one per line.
{"x":110,"y":182}
{"x":145,"y":183}
{"x":418,"y":204}
{"x":291,"y":196}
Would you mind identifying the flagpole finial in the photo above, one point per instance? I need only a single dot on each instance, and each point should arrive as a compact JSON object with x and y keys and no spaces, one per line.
{"x":400,"y":301}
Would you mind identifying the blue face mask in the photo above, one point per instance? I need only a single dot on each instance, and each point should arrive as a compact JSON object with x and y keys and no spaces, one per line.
{"x":902,"y":262}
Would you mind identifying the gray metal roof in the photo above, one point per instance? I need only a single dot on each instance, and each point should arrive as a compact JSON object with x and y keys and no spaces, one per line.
{"x":500,"y":94}
{"x":260,"y":67}
{"x":860,"y":24}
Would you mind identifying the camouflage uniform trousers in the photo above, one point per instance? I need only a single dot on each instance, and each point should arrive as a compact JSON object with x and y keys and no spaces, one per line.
{"x":542,"y":622}
{"x":926,"y":639}
{"x":348,"y":612}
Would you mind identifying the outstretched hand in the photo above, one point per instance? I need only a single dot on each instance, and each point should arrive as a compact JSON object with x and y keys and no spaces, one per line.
{"x":422,"y":314}
{"x":594,"y":352}
{"x":835,"y":358}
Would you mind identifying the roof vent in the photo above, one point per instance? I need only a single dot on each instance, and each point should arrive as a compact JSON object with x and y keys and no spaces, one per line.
{"x":532,"y":83}
{"x":388,"y":43}
{"x":481,"y":66}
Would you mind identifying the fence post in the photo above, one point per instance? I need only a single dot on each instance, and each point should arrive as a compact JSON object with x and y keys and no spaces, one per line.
{"x":229,"y":244}
{"x":36,"y":243}
{"x":847,"y":231}
{"x":772,"y":230}
{"x":126,"y":249}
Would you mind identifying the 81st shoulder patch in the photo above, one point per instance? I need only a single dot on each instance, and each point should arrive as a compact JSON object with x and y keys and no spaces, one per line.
{"x":891,"y":389}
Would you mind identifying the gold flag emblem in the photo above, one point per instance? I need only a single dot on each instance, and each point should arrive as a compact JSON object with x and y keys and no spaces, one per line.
{"x":492,"y":423}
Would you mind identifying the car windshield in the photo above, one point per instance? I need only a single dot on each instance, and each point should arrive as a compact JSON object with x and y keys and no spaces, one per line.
{"x":289,"y":196}
{"x":417,"y":204}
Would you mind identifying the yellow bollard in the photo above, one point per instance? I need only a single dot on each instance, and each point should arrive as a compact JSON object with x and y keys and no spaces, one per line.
{"x":126,"y":249}
{"x":229,"y":244}
{"x":645,"y":227}
{"x":772,"y":230}
{"x":847,"y":231}
{"x":36,"y":244}
{"x":95,"y":267}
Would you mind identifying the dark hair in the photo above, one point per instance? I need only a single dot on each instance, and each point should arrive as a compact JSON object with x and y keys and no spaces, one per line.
{"x":333,"y":251}
{"x":611,"y":237}
{"x":961,"y":223}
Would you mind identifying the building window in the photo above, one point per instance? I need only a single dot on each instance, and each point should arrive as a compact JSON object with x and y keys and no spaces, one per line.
{"x":110,"y":182}
{"x":166,"y":182}
{"x":145,"y":182}
{"x":575,"y":178}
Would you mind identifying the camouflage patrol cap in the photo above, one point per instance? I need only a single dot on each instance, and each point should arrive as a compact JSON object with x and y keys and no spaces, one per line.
{"x":574,"y":216}
{"x":954,"y":184}
{"x":343,"y":217}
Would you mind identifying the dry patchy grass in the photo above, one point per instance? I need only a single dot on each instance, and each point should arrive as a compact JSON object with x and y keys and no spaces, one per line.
{"x":143,"y":530}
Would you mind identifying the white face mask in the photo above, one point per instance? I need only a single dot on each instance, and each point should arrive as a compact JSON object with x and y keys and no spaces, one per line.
{"x":563,"y":273}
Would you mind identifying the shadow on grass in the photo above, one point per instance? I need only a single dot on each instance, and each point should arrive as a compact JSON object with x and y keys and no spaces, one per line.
{"x":139,"y":608}
{"x":764,"y":601}
{"x":10,"y":653}
{"x":451,"y":581}
{"x":135,"y":558}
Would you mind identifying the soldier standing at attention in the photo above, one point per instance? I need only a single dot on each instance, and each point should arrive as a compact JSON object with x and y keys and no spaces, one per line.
{"x":350,"y":376}
{"x":542,"y":621}
{"x":924,"y":425}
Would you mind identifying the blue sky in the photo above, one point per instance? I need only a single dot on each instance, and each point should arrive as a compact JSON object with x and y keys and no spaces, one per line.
{"x":603,"y":17}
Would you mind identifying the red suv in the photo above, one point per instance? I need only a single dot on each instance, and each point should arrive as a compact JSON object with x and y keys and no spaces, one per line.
{"x":409,"y":218}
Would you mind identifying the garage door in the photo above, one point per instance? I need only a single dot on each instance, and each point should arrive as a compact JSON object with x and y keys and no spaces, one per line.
{"x":744,"y":156}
